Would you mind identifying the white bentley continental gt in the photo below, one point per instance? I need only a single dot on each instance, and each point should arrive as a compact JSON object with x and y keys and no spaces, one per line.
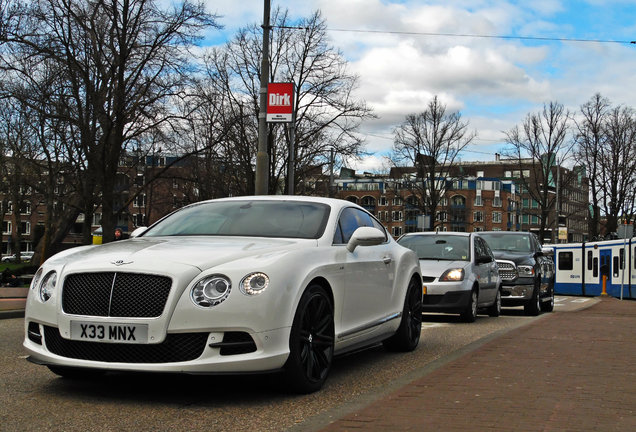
{"x":236,"y":285}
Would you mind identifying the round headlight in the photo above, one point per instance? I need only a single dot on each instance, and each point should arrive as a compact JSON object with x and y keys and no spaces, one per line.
{"x":254,"y":283}
{"x":36,"y":278}
{"x":211,"y":290}
{"x":47,"y":287}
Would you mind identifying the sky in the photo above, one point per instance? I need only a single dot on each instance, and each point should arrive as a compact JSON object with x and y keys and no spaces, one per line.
{"x":534,"y":52}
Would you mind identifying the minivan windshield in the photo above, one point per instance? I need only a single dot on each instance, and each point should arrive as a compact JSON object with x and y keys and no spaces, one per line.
{"x":438,"y":247}
{"x":508,"y":242}
{"x":252,"y":218}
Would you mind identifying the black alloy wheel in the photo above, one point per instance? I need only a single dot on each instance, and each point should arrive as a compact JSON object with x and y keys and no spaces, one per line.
{"x":311,"y":342}
{"x":407,"y":336}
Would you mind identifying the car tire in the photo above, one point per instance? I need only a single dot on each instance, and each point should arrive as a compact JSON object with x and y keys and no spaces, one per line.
{"x":495,"y":309}
{"x":407,"y":336}
{"x":76,"y":373}
{"x":311,"y":342}
{"x":548,"y":306}
{"x":469,"y":314}
{"x":533,"y":307}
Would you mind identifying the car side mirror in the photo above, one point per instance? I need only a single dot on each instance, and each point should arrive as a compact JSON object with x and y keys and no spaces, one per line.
{"x":138,"y":231}
{"x":365,"y":236}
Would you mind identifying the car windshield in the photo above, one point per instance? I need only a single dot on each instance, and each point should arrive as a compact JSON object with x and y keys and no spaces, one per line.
{"x":289,"y":219}
{"x":438,"y":247}
{"x":507,"y":242}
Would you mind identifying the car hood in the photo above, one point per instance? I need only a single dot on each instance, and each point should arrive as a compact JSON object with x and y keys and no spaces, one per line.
{"x":437,"y":267}
{"x":159,"y":252}
{"x":516,"y":257}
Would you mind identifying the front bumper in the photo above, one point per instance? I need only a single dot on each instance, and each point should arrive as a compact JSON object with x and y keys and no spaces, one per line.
{"x":516,"y":294}
{"x":198,"y":353}
{"x":451,"y":297}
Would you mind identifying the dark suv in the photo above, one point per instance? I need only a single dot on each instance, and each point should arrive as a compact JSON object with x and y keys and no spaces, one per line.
{"x":526,"y":270}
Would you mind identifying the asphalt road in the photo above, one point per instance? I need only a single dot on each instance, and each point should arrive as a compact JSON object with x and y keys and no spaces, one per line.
{"x":34,"y":399}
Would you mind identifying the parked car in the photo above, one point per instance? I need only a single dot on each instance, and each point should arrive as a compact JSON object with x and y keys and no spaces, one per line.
{"x":459,"y":273}
{"x":526,"y":269}
{"x":236,"y":285}
{"x":24,"y":256}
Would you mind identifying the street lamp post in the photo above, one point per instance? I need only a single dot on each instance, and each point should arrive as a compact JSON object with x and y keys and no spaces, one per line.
{"x":262,"y":156}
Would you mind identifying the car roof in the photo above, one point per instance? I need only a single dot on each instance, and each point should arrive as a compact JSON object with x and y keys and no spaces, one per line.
{"x":431,"y":233}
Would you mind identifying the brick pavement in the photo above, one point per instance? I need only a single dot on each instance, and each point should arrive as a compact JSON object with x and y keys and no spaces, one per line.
{"x":569,"y":371}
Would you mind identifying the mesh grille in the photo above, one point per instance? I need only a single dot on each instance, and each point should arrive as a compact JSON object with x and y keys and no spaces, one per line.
{"x":507,"y":271}
{"x":115,"y":294}
{"x":177,"y":347}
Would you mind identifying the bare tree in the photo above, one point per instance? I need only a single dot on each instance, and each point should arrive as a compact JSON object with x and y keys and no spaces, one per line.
{"x":540,"y":145}
{"x":590,"y":143}
{"x":431,"y":142}
{"x":327,"y":114}
{"x":618,"y":166}
{"x":121,"y":62}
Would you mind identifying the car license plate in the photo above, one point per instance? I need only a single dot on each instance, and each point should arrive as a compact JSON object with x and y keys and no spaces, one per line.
{"x":109,"y":332}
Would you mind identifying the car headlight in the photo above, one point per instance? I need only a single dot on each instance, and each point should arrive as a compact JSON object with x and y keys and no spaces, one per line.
{"x":525,"y":270}
{"x":47,"y":287}
{"x":254,"y":283}
{"x":453,"y":275}
{"x":211,"y":290}
{"x":36,"y":278}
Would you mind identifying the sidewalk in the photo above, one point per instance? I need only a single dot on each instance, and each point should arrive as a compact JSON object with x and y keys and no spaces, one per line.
{"x":569,"y":371}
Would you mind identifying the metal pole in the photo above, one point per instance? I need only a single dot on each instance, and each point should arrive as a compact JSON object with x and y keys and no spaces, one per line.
{"x":262,"y":157}
{"x":292,"y":157}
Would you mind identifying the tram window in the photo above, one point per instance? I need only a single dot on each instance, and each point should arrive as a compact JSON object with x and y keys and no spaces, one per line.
{"x":566,"y":261}
{"x":589,"y":260}
{"x":615,"y":266}
{"x":634,"y":257}
{"x":595,"y":273}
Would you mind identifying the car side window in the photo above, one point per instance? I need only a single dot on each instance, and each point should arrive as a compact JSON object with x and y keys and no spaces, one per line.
{"x":350,"y":220}
{"x":486,"y":249}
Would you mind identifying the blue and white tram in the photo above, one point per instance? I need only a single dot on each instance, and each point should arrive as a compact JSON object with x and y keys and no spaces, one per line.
{"x":580,"y":267}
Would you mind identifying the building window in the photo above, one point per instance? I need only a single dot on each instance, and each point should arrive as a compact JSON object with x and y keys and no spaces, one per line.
{"x":496,"y":201}
{"x":478,"y":201}
{"x":138,"y":219}
{"x":478,"y":216}
{"x":140,"y":201}
{"x":525,"y":203}
{"x":478,"y":229}
{"x":396,"y":216}
{"x":382,"y":201}
{"x":535,"y":204}
{"x":442,"y":216}
{"x":175,"y":184}
{"x":535,"y":220}
{"x":496,"y":217}
{"x":26,"y":208}
{"x":397,"y":201}
{"x":397,"y":231}
{"x":97,"y":219}
{"x":6,"y":227}
{"x":25,"y":227}
{"x":480,"y":184}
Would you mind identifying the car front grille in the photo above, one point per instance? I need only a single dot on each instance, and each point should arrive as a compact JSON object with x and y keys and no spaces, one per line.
{"x":177,"y":347}
{"x":507,"y":270}
{"x":115,"y":294}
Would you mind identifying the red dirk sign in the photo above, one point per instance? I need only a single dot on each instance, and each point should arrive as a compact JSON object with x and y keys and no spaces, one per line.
{"x":280,"y":102}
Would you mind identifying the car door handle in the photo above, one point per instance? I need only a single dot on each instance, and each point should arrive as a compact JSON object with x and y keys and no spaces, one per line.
{"x":387,"y":259}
